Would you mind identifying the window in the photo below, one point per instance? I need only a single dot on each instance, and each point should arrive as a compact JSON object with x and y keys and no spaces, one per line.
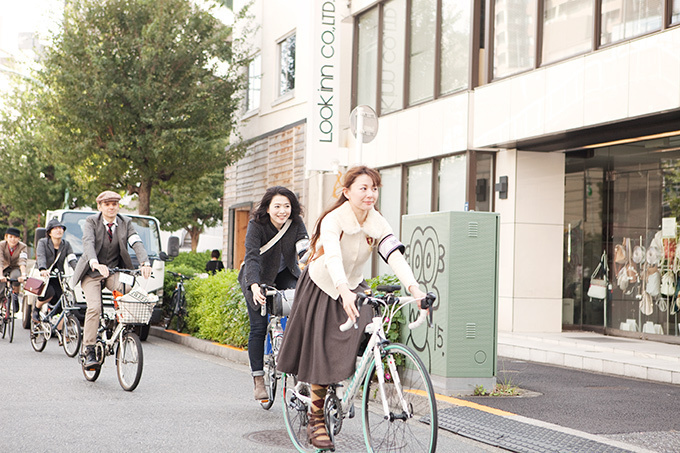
{"x":452,"y":183}
{"x":393,"y":47}
{"x":254,"y":81}
{"x":419,"y":188}
{"x":287,"y":65}
{"x":675,"y":15}
{"x":514,"y":36}
{"x":567,"y":28}
{"x":455,"y":46}
{"x":367,"y":70}
{"x":484,"y":182}
{"x":625,"y":19}
{"x":390,"y":205}
{"x":421,"y":55}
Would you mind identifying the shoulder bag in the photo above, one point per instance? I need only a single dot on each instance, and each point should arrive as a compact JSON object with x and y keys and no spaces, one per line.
{"x":36,"y":283}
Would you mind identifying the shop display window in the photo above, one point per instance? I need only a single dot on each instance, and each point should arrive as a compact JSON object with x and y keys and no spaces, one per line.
{"x":625,"y":201}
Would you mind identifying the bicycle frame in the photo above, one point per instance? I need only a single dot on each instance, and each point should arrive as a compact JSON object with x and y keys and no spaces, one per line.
{"x":59,"y":305}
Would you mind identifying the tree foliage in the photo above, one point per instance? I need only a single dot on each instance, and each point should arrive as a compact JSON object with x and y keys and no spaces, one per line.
{"x":139,"y":95}
{"x":194,"y":206}
{"x":30,"y":182}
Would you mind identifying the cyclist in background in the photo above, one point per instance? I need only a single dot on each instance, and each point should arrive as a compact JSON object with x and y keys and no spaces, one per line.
{"x":345,"y":236}
{"x":13,"y":257}
{"x":277,"y":266}
{"x":51,"y":248}
{"x":105,"y":240}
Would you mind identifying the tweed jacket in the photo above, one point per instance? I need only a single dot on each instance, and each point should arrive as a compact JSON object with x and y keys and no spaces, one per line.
{"x":94,"y":234}
{"x":344,"y":257}
{"x":18,"y":258}
{"x":263,"y":269}
{"x":46,"y":253}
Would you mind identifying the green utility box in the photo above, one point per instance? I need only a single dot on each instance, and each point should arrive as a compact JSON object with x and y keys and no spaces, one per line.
{"x":455,"y":255}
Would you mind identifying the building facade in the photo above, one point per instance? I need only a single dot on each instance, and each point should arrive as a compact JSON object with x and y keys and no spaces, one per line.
{"x":562,"y":116}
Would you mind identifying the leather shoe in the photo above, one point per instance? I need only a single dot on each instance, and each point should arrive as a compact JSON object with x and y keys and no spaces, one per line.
{"x":260,"y":391}
{"x":91,"y":363}
{"x":317,"y":434}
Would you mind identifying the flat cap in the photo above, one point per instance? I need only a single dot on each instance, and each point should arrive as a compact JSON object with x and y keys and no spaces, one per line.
{"x":108,"y":195}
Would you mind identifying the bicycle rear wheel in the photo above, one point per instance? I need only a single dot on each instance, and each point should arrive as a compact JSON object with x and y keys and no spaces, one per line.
{"x":295,"y":411}
{"x":71,"y":335}
{"x":38,"y":337}
{"x":10,"y":310}
{"x":3,"y":318}
{"x":412,"y":423}
{"x":129,"y":361}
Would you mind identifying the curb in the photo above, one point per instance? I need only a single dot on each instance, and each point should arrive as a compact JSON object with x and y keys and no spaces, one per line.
{"x":231,"y":353}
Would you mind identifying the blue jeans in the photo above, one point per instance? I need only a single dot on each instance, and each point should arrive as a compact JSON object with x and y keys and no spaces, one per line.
{"x":258,"y":326}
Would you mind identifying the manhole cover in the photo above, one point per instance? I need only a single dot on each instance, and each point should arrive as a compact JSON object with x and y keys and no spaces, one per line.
{"x":279,"y":438}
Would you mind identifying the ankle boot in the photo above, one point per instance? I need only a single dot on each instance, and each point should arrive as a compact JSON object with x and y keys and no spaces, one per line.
{"x":260,"y":391}
{"x":317,"y":434}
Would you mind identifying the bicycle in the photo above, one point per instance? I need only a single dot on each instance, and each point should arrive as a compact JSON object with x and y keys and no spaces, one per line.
{"x":397,"y":389}
{"x":178,"y":305}
{"x":278,"y":307}
{"x":10,"y":300}
{"x":116,"y":333}
{"x":70,"y":336}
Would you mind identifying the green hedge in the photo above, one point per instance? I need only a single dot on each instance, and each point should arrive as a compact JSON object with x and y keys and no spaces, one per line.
{"x":217,"y":309}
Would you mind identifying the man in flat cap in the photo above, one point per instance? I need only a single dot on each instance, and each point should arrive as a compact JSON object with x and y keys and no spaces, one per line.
{"x":13,"y":256}
{"x":106,"y":236}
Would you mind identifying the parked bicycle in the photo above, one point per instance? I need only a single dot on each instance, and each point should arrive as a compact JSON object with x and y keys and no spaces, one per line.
{"x":178,"y":303}
{"x":8,"y":306}
{"x":398,"y":406}
{"x":279,"y":303}
{"x":116,"y":332}
{"x":52,"y":316}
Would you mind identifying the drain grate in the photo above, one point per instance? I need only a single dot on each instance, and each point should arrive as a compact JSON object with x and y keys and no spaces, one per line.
{"x":514,"y":435}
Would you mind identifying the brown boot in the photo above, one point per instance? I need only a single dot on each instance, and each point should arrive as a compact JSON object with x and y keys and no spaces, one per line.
{"x":317,"y":434}
{"x":260,"y":391}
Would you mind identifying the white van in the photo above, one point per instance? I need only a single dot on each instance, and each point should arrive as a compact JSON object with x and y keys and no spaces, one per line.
{"x":148,"y":229}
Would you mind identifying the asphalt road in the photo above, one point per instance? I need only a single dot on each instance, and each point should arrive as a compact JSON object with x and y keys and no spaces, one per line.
{"x":186,"y":401}
{"x":639,"y":412}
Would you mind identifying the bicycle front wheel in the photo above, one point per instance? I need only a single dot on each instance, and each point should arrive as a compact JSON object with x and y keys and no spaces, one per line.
{"x":38,"y":337}
{"x":269,"y":381}
{"x":129,"y":361}
{"x":71,"y":335}
{"x":294,"y":398}
{"x":411,"y":424}
{"x":10,"y":310}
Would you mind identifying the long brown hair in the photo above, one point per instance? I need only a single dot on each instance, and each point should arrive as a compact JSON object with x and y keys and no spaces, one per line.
{"x":347,"y":180}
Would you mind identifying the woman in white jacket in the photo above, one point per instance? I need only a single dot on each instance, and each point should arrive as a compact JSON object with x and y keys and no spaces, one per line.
{"x":345,"y":236}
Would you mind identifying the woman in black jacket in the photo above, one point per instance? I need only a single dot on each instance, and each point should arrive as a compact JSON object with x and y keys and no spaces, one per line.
{"x":277,"y":266}
{"x":51,"y":248}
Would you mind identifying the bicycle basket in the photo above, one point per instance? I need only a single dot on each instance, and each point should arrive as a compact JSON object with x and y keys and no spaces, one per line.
{"x":134,"y":312}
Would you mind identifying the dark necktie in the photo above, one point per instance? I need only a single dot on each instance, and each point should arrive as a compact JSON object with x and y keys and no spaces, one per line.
{"x":110,"y":231}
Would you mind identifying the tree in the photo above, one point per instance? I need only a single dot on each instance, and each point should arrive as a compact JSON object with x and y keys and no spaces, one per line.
{"x":195,"y":207}
{"x":138,"y":94}
{"x":30,"y":182}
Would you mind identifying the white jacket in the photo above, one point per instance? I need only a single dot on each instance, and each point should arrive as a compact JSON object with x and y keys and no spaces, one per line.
{"x":344,"y":258}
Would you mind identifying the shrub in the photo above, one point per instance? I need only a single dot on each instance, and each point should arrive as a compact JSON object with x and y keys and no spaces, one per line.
{"x":394,"y":334}
{"x":194,"y":260}
{"x":217,"y":309}
{"x":170,"y":280}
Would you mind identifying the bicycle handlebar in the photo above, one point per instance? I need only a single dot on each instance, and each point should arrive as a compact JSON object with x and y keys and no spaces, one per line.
{"x":179,"y":275}
{"x":426,"y":308}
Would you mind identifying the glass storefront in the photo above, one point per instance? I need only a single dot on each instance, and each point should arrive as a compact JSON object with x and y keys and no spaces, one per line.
{"x":623,"y":200}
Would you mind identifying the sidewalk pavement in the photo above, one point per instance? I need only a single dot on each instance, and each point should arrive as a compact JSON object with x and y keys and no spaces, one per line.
{"x":585,"y":351}
{"x":588,"y":351}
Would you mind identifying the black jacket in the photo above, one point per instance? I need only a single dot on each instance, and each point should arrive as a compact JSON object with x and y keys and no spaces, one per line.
{"x":263,"y":269}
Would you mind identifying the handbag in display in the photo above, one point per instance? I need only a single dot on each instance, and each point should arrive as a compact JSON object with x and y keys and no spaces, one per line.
{"x":598,"y":286}
{"x":653,"y":285}
{"x":639,"y":254}
{"x":620,"y":256}
{"x":647,"y":304}
{"x":668,"y":284}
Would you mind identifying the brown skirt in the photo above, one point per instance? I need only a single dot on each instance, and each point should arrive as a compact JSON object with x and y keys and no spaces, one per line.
{"x":313,"y":346}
